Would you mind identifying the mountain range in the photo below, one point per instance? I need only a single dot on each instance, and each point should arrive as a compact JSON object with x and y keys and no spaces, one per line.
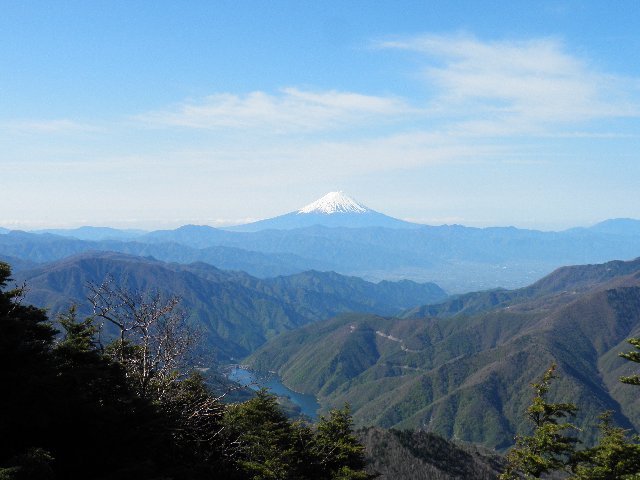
{"x":286,"y":295}
{"x":237,"y":312}
{"x":462,"y":368}
{"x":371,"y":245}
{"x":95,"y":233}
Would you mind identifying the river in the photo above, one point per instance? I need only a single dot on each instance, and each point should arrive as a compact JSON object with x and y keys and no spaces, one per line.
{"x":307,"y":403}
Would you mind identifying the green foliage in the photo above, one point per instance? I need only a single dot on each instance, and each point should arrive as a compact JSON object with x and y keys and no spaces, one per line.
{"x":633,"y":356}
{"x":549,"y":448}
{"x":72,"y":410}
{"x":615,"y":456}
{"x":78,"y":342}
{"x":35,"y":464}
{"x":338,"y":451}
{"x":75,"y":411}
{"x":271,"y":447}
{"x":27,"y":373}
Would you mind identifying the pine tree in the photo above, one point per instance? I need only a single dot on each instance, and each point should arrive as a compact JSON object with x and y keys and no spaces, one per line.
{"x":265,"y":437}
{"x":615,"y":457}
{"x":548,"y":448}
{"x":339,"y":453}
{"x":633,"y":356}
{"x":26,"y":339}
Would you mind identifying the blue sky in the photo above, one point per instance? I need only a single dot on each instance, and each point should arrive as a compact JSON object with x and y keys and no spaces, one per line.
{"x":157,"y":114}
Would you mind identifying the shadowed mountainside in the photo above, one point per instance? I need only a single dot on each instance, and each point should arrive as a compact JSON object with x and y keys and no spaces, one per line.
{"x":237,"y":311}
{"x":415,"y":455}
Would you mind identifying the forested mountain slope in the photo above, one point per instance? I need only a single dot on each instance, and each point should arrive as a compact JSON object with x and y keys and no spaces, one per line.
{"x":467,"y":376}
{"x":559,"y":286}
{"x":238,"y":312}
{"x":419,"y":455}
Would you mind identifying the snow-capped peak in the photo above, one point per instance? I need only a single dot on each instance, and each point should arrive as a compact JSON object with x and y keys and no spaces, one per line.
{"x":334,"y":202}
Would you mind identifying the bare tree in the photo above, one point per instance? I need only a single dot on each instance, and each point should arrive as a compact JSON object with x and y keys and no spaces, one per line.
{"x":155,"y":339}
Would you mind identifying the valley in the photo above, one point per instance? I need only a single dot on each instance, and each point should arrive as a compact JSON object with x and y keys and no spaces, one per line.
{"x":319,"y":240}
{"x":459,"y":259}
{"x":307,"y":404}
{"x":406,"y":356}
{"x":236,"y":312}
{"x":461,"y":368}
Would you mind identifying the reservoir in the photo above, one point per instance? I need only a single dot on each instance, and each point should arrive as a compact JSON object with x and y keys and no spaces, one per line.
{"x":307,"y":403}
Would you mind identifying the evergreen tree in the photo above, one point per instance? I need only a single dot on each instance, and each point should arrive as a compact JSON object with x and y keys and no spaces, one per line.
{"x":548,"y":448}
{"x":26,"y":339}
{"x":615,"y":457}
{"x":265,"y":437}
{"x":72,"y":410}
{"x":120,"y":430}
{"x":339,"y":453}
{"x":633,"y":356}
{"x":271,"y":447}
{"x":78,"y":336}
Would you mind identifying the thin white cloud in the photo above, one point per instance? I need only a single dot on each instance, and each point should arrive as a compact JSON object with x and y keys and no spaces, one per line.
{"x":299,"y":160}
{"x":291,"y":110}
{"x":478,"y":88}
{"x":286,"y":162}
{"x":510,"y":87}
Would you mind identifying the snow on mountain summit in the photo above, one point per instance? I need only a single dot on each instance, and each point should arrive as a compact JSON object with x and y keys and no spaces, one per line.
{"x":334,"y":210}
{"x":334,"y":202}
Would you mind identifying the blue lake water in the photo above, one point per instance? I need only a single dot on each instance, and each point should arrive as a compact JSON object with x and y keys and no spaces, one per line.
{"x":307,"y":403}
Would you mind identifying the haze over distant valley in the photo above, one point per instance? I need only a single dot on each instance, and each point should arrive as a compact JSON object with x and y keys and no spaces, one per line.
{"x":338,"y":233}
{"x":416,"y":223}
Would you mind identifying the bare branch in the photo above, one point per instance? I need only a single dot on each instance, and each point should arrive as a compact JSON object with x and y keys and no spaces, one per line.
{"x":155,"y":337}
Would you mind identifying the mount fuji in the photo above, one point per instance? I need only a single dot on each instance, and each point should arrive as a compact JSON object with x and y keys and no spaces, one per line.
{"x":335,"y":209}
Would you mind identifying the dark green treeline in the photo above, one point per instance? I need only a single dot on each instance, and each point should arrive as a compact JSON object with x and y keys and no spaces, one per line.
{"x":69,"y":409}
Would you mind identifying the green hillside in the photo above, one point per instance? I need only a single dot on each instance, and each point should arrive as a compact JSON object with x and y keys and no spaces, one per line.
{"x":467,"y":376}
{"x":558,"y":287}
{"x":237,"y":312}
{"x":419,"y":455}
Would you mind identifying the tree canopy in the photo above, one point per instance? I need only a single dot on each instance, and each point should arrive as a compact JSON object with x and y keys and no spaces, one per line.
{"x":549,"y":450}
{"x":550,"y":446}
{"x":73,"y":409}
